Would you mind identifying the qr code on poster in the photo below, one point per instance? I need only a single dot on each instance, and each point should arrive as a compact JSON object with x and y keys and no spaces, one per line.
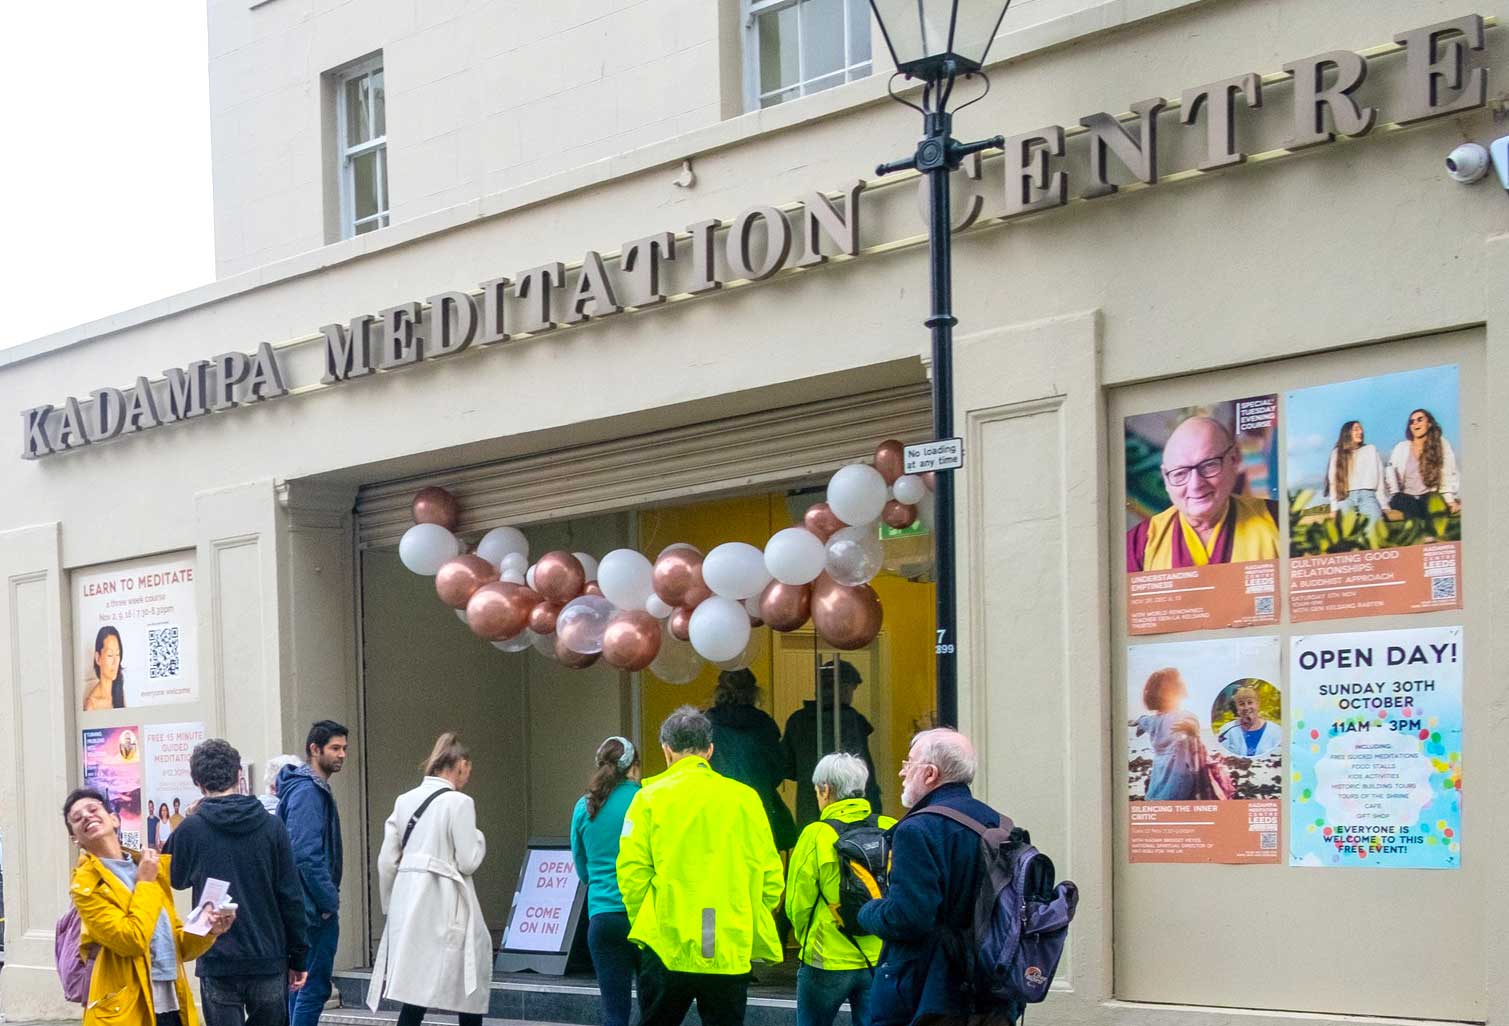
{"x":162,"y":653}
{"x":1268,"y":840}
{"x":1262,"y":605}
{"x":1443,"y":588}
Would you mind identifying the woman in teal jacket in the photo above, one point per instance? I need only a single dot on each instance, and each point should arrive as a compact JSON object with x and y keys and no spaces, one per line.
{"x":596,"y":825}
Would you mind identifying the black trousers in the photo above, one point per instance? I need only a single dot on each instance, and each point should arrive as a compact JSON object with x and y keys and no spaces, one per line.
{"x":666,"y":996}
{"x":413,"y":1015}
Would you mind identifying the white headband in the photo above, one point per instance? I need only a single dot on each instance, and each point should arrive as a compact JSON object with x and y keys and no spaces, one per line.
{"x":627,"y":758}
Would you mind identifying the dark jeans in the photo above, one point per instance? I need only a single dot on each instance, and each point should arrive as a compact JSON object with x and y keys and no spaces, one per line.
{"x":412,"y":1015}
{"x":167,"y":1019}
{"x":615,"y":959}
{"x":238,"y":1000}
{"x":306,"y":1004}
{"x":820,"y":993}
{"x":666,"y":996}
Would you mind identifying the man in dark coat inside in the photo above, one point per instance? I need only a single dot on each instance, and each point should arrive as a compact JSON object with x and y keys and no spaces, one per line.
{"x":747,"y":747}
{"x":804,"y":744}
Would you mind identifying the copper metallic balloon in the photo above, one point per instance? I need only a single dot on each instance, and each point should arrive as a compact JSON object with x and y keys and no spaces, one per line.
{"x":678,"y":578}
{"x":592,"y":588}
{"x":890,"y":460}
{"x":819,"y":519}
{"x":785,"y":607}
{"x":930,"y":479}
{"x":542,"y":617}
{"x":680,"y":623}
{"x":573,"y":660}
{"x":632,"y":640}
{"x":436,"y":506}
{"x":559,"y":576}
{"x":898,"y":514}
{"x":458,"y":579}
{"x":500,"y":610}
{"x":846,"y":618}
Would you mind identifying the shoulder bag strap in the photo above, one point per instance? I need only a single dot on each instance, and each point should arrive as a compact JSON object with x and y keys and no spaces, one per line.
{"x":961,"y":818}
{"x":415,"y":818}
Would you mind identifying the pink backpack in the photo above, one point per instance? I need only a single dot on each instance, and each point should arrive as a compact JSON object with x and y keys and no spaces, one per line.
{"x":75,"y":969}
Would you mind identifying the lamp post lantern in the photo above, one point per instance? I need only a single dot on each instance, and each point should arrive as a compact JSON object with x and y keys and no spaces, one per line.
{"x":936,"y":41}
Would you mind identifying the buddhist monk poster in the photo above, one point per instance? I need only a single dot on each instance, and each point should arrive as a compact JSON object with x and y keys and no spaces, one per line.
{"x":1205,"y":749}
{"x":1202,"y":540}
{"x":1375,"y":495}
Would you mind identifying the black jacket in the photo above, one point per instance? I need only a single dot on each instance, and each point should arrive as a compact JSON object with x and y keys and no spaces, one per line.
{"x":307,"y":807}
{"x":803,"y":750}
{"x":747,"y":748}
{"x":233,"y":839}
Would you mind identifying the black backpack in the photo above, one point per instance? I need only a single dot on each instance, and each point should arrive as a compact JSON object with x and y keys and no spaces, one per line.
{"x":864,"y":865}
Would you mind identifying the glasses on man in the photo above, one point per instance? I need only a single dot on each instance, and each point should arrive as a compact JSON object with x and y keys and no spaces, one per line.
{"x":1208,"y":469}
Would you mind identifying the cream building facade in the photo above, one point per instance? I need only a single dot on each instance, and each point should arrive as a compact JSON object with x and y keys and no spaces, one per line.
{"x":531,"y":142}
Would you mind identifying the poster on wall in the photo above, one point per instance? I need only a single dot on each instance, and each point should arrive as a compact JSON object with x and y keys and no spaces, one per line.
{"x":1205,"y":731}
{"x":1376,"y":749}
{"x":134,"y":633}
{"x":1202,"y":540}
{"x":113,"y":766}
{"x":1375,"y":485}
{"x":168,"y":790}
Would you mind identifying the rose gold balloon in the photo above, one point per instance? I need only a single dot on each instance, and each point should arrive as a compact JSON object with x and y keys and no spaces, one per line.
{"x":592,"y":588}
{"x":898,"y":514}
{"x":572,"y":660}
{"x":458,"y":579}
{"x":680,"y":623}
{"x":436,"y":506}
{"x":846,"y":618}
{"x":820,"y":520}
{"x":785,"y":607}
{"x":890,"y":460}
{"x":500,"y":610}
{"x":678,"y":578}
{"x":632,"y":640}
{"x":930,"y":479}
{"x":542,"y":617}
{"x":559,"y":576}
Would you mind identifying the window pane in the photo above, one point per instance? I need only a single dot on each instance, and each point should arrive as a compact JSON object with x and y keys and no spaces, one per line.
{"x":366,"y":185}
{"x":817,"y":85}
{"x":859,"y":31}
{"x":356,"y":111}
{"x":380,"y":104}
{"x":822,"y":37}
{"x":369,"y":226}
{"x":775,"y":98}
{"x":778,"y":49}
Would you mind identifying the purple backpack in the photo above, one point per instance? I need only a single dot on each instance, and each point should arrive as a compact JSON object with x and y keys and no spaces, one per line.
{"x":1021,"y":919}
{"x":74,"y":968}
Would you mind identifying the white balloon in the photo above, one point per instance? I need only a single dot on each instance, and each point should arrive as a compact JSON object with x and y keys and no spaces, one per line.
{"x":677,"y":662}
{"x":856,"y":493}
{"x":589,"y":564}
{"x":511,"y":577}
{"x":735,"y":570}
{"x":658,"y":608}
{"x":795,"y":556}
{"x":529,"y":577}
{"x":909,"y":489}
{"x":719,"y":628}
{"x":626,"y":578}
{"x":752,"y":606}
{"x":927,"y":512}
{"x":500,"y":542}
{"x":583,"y":622}
{"x":518,"y":562}
{"x":855,"y":554}
{"x":461,"y":615}
{"x":424,"y":548}
{"x":518,"y":643}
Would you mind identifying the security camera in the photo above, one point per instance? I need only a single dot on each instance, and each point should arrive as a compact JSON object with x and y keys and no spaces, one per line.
{"x":1467,"y":163}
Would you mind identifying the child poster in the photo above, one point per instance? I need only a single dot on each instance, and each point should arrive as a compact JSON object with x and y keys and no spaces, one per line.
{"x":1202,"y":538}
{"x":113,"y":765}
{"x":1205,"y":734}
{"x":134,"y":633}
{"x":1375,"y":496}
{"x":169,"y":790}
{"x":1376,"y":749}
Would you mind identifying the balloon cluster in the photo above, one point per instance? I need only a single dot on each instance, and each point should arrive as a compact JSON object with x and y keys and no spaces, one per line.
{"x":669,"y":615}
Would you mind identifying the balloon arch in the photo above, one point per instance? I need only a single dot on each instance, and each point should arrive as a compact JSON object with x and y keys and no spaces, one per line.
{"x":669,"y":615}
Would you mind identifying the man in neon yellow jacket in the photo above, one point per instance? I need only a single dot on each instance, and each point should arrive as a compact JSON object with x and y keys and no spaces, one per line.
{"x":700,"y":878}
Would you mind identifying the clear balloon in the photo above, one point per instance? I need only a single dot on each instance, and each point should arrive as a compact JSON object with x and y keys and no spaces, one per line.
{"x":424,"y":548}
{"x":519,"y":642}
{"x":857,"y":493}
{"x":545,"y":645}
{"x":589,"y":564}
{"x":573,"y":660}
{"x":795,"y":556}
{"x":735,"y":570}
{"x":719,"y":628}
{"x":658,"y":607}
{"x":676,"y":662}
{"x":500,"y":543}
{"x":909,"y":489}
{"x":626,"y":578}
{"x":460,"y":614}
{"x":855,"y":555}
{"x":582,"y":623}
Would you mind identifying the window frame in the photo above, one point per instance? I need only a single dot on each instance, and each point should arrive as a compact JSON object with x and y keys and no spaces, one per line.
{"x":346,"y":154}
{"x":751,"y":11}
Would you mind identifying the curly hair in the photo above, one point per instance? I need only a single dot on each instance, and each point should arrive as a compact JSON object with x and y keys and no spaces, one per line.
{"x":1430,"y":452}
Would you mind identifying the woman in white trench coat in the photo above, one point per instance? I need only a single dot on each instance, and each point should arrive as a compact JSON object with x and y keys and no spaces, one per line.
{"x":435,"y":950}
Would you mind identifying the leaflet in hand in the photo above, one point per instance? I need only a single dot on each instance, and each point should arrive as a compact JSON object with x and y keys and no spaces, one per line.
{"x":216,"y":894}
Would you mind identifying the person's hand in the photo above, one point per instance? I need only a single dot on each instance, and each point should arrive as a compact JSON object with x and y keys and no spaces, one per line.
{"x":221,"y":920}
{"x":1454,"y":506}
{"x":296,"y":979}
{"x":146,"y":869}
{"x":1393,"y":514}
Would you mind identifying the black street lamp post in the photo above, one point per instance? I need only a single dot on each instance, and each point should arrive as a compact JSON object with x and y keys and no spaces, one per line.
{"x":936,"y":41}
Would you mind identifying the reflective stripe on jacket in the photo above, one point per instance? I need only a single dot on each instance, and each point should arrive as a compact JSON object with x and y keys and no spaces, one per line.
{"x":814,"y":872}
{"x":699,"y":871}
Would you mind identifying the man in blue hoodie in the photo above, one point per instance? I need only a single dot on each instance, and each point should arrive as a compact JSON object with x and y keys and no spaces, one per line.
{"x":307,"y":807}
{"x":248,"y":973}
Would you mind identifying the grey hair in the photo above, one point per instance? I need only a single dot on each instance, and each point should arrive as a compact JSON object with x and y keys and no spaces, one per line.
{"x":274,"y":767}
{"x":687,"y":730}
{"x":843,"y":773}
{"x":948,"y":750}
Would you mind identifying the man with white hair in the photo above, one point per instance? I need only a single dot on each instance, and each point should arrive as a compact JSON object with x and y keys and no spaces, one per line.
{"x":269,"y":798}
{"x":927,"y":964}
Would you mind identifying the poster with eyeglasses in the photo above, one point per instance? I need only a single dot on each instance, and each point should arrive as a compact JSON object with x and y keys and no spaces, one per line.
{"x":1375,"y":495}
{"x":1202,"y":538}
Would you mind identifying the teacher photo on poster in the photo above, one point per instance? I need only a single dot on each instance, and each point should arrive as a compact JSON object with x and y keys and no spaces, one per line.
{"x":107,"y":688}
{"x":1250,"y":733}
